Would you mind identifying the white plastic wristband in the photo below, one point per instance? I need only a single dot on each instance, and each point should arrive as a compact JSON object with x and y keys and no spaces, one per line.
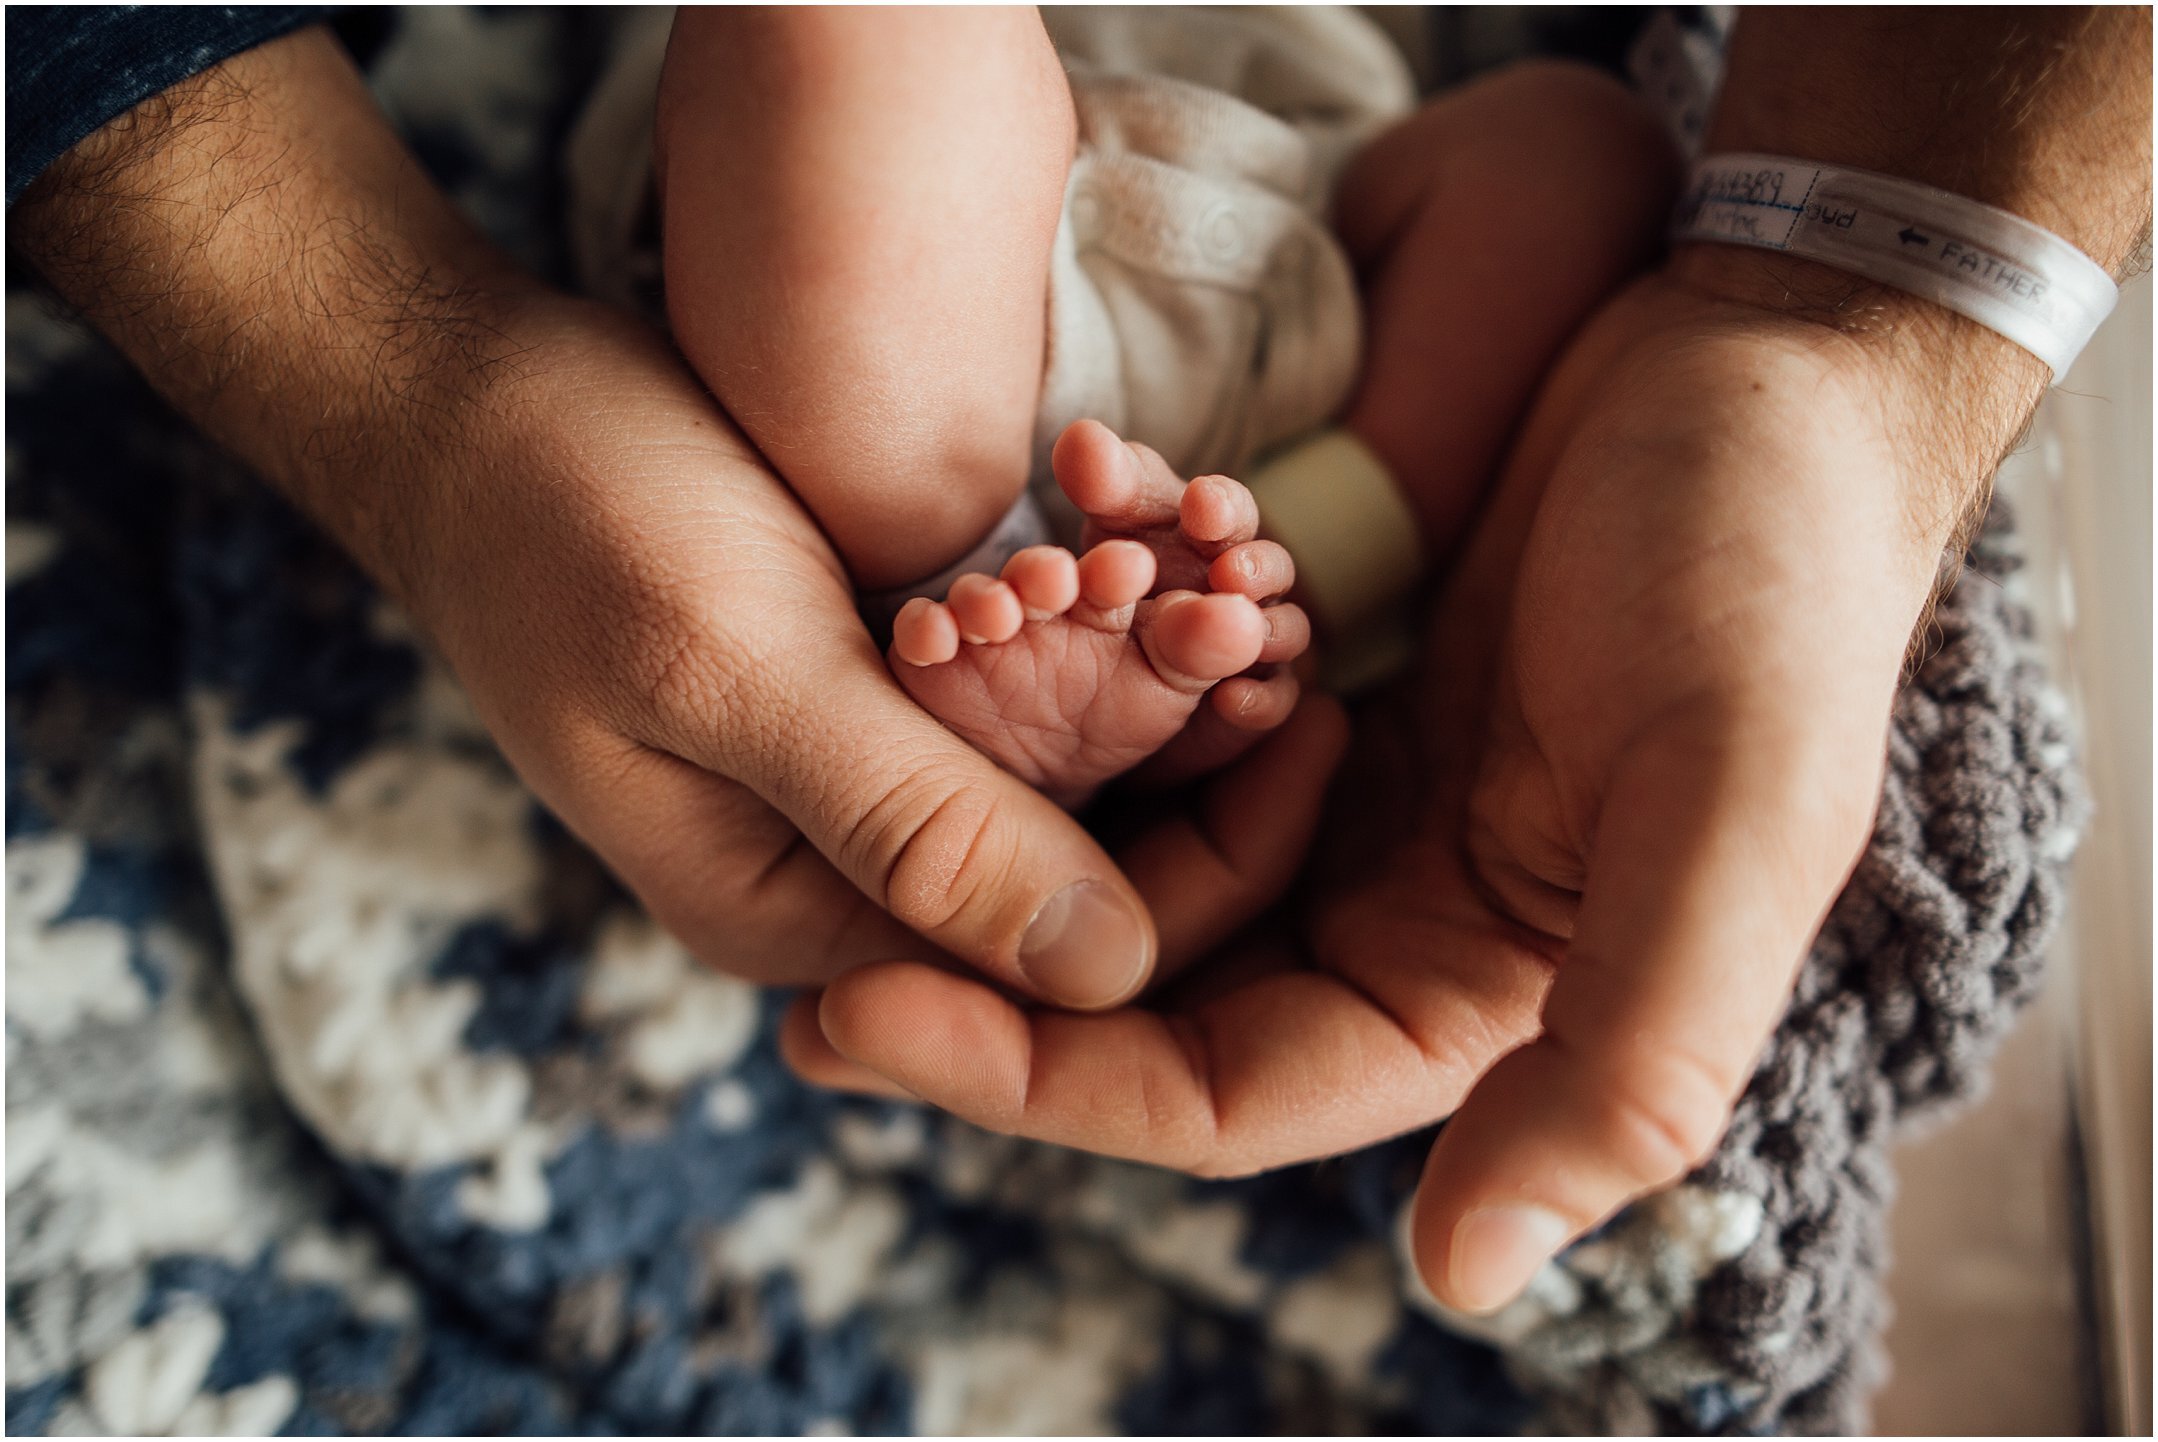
{"x":2000,"y":270}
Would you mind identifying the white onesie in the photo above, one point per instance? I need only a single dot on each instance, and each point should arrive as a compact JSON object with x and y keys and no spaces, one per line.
{"x":1197,"y":301}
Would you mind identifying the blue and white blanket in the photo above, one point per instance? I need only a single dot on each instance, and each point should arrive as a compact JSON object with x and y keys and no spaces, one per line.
{"x":346,"y":1093}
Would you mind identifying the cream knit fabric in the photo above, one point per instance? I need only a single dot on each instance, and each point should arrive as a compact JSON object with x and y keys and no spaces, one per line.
{"x":1197,"y":300}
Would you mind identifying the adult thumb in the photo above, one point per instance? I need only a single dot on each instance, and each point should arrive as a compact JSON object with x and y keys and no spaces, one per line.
{"x":1712,"y":867}
{"x":960,"y":850}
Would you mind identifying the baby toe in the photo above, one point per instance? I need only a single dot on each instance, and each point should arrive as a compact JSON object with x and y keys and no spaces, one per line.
{"x":1045,"y":579}
{"x":1120,"y":487}
{"x":1259,"y":570}
{"x":1195,"y":640}
{"x":1115,"y":574}
{"x":1216,"y":511}
{"x":1256,"y":703}
{"x":987,"y":611}
{"x":1288,"y":633}
{"x":924,"y":633}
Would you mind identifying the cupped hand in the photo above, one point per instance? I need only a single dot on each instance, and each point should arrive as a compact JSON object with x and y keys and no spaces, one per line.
{"x":654,"y":631}
{"x":1576,"y":861}
{"x":664,"y":645}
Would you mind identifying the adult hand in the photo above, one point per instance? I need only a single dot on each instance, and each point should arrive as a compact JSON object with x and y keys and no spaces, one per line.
{"x":1641,"y":750}
{"x":665,"y":646}
{"x":657,"y":635}
{"x":1579,"y":860}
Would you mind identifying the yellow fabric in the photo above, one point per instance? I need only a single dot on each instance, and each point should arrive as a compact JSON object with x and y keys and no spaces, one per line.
{"x":1332,"y":503}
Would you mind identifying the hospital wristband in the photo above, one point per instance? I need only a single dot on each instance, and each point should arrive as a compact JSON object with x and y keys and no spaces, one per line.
{"x":2012,"y":277}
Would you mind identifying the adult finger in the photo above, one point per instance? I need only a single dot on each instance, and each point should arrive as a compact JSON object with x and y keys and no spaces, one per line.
{"x":1207,"y":870}
{"x":1288,"y":1066}
{"x":1719,"y":847}
{"x":1413,"y":997}
{"x":1204,"y":872}
{"x":803,"y":1047}
{"x":723,"y":872}
{"x":962,"y":852}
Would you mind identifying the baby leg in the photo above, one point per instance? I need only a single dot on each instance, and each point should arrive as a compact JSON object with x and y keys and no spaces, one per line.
{"x":858,"y":209}
{"x":1486,"y":228}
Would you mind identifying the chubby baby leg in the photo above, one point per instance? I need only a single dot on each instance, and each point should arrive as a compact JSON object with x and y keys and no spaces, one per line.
{"x":1485,"y":229}
{"x":858,"y":209}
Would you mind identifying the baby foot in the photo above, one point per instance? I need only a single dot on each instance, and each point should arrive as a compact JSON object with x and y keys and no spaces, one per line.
{"x":1204,"y":537}
{"x":1071,"y":670}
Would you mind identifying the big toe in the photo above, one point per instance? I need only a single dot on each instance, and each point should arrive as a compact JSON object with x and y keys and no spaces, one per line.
{"x":1196,"y":640}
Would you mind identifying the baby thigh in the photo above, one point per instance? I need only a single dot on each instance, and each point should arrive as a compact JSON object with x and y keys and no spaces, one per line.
{"x":1487,"y":227}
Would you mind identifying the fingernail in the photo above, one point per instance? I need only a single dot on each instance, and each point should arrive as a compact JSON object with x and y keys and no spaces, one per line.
{"x":1497,"y":1250}
{"x":1085,"y":947}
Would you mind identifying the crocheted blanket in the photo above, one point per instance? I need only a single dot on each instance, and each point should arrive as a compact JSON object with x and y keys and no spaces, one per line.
{"x":345,"y":1093}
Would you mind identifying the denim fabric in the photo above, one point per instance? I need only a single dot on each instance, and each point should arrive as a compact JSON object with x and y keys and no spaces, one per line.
{"x":71,"y":68}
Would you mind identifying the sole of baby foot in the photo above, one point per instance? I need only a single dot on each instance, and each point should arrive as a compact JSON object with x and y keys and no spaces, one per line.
{"x":1204,"y":536}
{"x":1062,"y":671}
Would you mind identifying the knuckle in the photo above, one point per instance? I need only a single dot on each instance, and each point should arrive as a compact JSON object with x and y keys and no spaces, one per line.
{"x":1664,"y":1115}
{"x":1182,"y":1112}
{"x":1821,"y":830}
{"x":1168,"y":1128}
{"x":718,"y":928}
{"x":1568,"y":107}
{"x":659,"y":645}
{"x":929,"y":844}
{"x":681,"y":674}
{"x":1558,"y":91}
{"x":1844,"y":815}
{"x":709,"y":642}
{"x":753,"y":942}
{"x":707,"y":685}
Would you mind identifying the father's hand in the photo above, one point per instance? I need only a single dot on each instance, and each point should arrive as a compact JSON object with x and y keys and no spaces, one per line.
{"x":666,"y":648}
{"x":1577,"y":866}
{"x":654,"y":631}
{"x":1647,"y":736}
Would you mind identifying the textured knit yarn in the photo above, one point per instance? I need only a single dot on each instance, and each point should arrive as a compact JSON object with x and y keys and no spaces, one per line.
{"x":1935,"y":944}
{"x":347,"y":1094}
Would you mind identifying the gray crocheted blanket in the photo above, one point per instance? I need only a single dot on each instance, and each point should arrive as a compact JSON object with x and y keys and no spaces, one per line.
{"x":346,"y":1094}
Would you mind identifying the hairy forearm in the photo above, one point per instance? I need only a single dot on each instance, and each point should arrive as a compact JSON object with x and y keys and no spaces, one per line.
{"x":260,"y":245}
{"x":2044,"y":113}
